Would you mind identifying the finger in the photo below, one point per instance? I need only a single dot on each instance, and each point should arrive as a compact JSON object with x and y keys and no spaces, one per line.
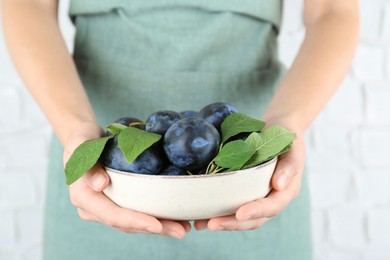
{"x":172,"y":229}
{"x":286,"y":169}
{"x":101,"y":207}
{"x":167,"y":229}
{"x":272,"y":205}
{"x":84,"y":215}
{"x":289,"y":165}
{"x":201,"y":224}
{"x":235,"y":225}
{"x":186,"y":225}
{"x":86,"y":131}
{"x":133,"y":231}
{"x":216,"y":223}
{"x":96,"y":178}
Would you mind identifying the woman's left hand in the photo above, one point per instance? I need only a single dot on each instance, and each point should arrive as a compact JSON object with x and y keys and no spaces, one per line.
{"x":286,"y":184}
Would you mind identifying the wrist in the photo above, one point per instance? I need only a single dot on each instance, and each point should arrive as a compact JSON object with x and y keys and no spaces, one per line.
{"x":286,"y":122}
{"x":83,"y":130}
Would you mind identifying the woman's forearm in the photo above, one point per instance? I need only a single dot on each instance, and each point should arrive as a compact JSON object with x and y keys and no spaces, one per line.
{"x":44,"y":63}
{"x":319,"y":68}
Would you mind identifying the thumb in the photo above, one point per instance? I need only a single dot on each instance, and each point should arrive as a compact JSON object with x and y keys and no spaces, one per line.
{"x":97,"y":178}
{"x":285,"y":171}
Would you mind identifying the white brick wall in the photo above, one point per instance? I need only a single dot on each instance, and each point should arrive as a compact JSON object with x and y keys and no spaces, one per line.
{"x":348,"y":161}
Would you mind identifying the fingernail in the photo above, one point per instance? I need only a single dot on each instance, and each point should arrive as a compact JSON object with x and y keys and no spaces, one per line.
{"x":97,"y":180}
{"x":220,"y":227}
{"x":174,"y":234}
{"x":282,"y":181}
{"x":201,"y":228}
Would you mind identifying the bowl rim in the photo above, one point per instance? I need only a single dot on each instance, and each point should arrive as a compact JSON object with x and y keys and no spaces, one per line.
{"x":189,"y":176}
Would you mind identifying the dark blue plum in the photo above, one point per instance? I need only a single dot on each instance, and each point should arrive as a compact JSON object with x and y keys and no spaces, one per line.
{"x":172,"y":170}
{"x":200,"y":172}
{"x":240,"y":136}
{"x":126,"y":121}
{"x":189,"y":114}
{"x":191,"y":143}
{"x":160,"y":121}
{"x":151,"y":161}
{"x":217,"y":112}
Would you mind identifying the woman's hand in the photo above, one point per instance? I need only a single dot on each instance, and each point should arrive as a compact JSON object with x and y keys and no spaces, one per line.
{"x":92,"y":205}
{"x":286,"y":183}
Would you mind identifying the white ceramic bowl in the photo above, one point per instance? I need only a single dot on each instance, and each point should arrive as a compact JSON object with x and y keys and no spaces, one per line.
{"x":189,"y":197}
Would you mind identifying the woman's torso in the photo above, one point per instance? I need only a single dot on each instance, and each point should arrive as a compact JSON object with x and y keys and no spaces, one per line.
{"x":137,"y":57}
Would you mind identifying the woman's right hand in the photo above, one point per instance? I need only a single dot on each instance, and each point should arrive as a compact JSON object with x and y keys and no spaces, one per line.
{"x":92,"y":205}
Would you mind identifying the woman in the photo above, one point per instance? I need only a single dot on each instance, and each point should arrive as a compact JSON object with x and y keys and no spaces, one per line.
{"x":134,"y":58}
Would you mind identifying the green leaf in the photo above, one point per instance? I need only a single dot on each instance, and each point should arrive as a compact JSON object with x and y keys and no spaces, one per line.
{"x":234,"y":155}
{"x":84,"y":158}
{"x":238,"y":123}
{"x":268,"y":144}
{"x":133,"y":141}
{"x":115,"y":128}
{"x":286,"y":149}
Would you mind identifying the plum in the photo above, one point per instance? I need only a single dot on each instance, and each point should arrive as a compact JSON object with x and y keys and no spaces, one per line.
{"x":160,"y":121}
{"x":217,"y":112}
{"x":241,"y":136}
{"x":150,"y":161}
{"x":191,"y":143}
{"x":189,"y":114}
{"x":126,"y":121}
{"x":172,"y":170}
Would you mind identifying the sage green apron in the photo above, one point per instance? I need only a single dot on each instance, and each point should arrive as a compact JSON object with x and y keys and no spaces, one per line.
{"x":137,"y":57}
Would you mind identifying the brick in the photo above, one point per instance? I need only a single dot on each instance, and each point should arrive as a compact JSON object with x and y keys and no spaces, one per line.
{"x":39,"y":177}
{"x":373,"y":86}
{"x":16,"y":191}
{"x":30,"y":222}
{"x":373,"y":187}
{"x":320,"y":251}
{"x":370,"y":19}
{"x":10,"y":106}
{"x":369,"y":63}
{"x":33,"y":253}
{"x":346,"y":227}
{"x":388,"y":63}
{"x":346,"y":107}
{"x":329,"y":188}
{"x":3,"y":164}
{"x":32,"y":116}
{"x":331,"y":149}
{"x":8,"y":232}
{"x":378,"y":104}
{"x":8,"y":72}
{"x":288,"y":47}
{"x":386,"y":24}
{"x":319,"y":229}
{"x":27,"y":149}
{"x":339,"y":254}
{"x":379,"y":226}
{"x":292,"y":21}
{"x":376,"y":252}
{"x":372,"y":146}
{"x":9,"y":255}
{"x":66,"y":26}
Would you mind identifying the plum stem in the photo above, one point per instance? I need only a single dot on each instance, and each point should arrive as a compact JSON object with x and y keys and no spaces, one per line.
{"x":209,"y":167}
{"x":138,"y":123}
